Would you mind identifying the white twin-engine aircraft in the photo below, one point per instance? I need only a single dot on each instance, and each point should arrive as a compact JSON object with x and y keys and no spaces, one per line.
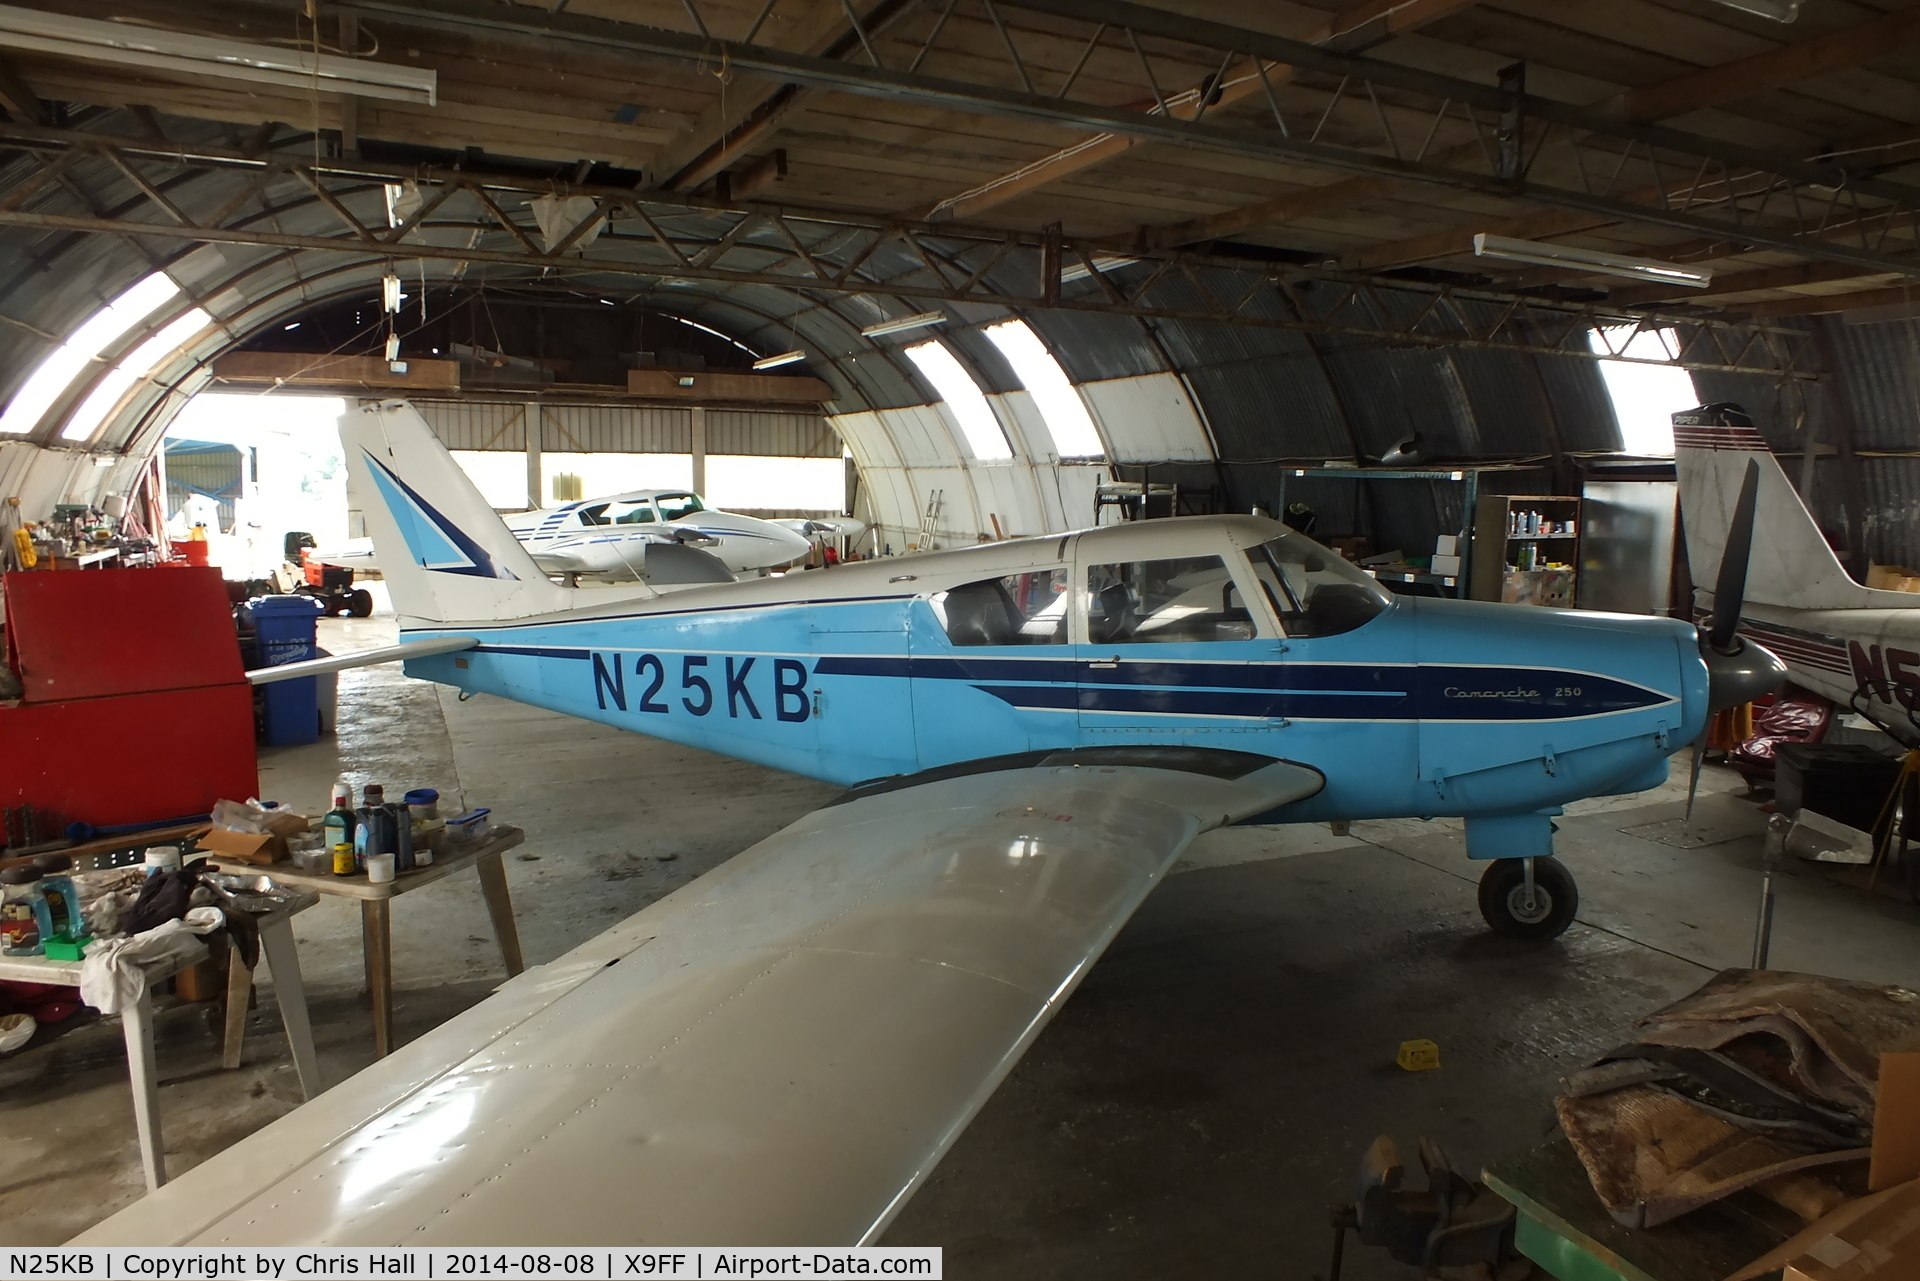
{"x":1859,"y":646}
{"x":663,"y":537}
{"x":617,"y":538}
{"x":780,"y":1052}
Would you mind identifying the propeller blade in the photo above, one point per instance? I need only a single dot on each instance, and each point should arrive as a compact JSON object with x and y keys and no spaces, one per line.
{"x":1693,"y":779}
{"x":1730,"y":590}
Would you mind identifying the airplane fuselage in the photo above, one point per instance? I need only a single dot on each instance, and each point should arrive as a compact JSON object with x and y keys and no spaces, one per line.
{"x":1431,"y":707}
{"x":1868,"y":659}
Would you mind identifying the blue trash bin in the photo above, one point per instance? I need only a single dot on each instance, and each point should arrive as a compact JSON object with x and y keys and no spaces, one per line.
{"x":286,"y":628}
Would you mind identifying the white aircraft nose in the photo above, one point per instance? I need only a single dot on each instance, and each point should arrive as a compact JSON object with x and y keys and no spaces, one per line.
{"x":794,"y":545}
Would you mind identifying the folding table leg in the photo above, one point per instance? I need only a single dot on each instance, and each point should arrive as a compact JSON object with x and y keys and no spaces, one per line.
{"x":493,"y":887}
{"x":136,"y":1024}
{"x":376,"y":930}
{"x":283,"y":962}
{"x":239,"y":989}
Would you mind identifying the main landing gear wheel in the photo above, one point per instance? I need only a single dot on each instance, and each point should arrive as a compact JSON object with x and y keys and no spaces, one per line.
{"x":1504,"y":900}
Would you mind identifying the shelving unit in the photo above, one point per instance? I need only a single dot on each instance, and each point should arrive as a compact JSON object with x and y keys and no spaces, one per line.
{"x":1501,"y":533}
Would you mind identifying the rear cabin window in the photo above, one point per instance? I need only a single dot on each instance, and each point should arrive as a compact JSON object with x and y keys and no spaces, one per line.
{"x":1018,"y":609}
{"x":1190,"y":598}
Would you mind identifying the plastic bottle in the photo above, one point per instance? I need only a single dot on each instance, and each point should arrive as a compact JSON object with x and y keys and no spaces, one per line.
{"x":19,"y":922}
{"x":58,"y":906}
{"x":373,"y":833}
{"x":402,"y":835}
{"x":340,"y":822}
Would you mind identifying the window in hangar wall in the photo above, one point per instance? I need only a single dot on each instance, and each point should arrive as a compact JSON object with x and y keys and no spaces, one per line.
{"x":1067,"y":419}
{"x":99,"y":331}
{"x":984,"y":435}
{"x":1645,"y":397}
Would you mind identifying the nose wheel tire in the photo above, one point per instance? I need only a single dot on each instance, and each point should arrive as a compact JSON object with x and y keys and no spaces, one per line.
{"x":1504,"y":900}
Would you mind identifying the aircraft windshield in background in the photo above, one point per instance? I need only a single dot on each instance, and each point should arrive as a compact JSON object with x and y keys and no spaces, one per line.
{"x":1858,"y":646}
{"x":781,"y":1051}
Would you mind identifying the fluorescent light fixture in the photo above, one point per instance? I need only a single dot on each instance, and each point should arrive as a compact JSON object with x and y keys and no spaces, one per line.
{"x":963,"y":396}
{"x":1066,"y":414}
{"x":784,"y":358}
{"x":903,"y":324}
{"x":709,"y":329}
{"x":1079,"y":270}
{"x":1545,"y":255}
{"x":133,"y":366}
{"x":129,"y":44}
{"x":57,"y":372}
{"x":1778,"y":10}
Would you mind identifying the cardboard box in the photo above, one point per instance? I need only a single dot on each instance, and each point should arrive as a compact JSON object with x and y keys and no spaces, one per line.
{"x":1447,"y":545}
{"x":258,"y":847}
{"x":1446,"y":566}
{"x":1876,"y":1238}
{"x":246,"y":847}
{"x":1893,"y":578}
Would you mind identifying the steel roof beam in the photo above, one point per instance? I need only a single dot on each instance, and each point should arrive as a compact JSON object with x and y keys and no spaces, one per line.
{"x":1784,"y":182}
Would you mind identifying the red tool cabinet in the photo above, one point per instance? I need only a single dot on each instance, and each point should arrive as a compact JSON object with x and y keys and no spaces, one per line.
{"x":135,"y":707}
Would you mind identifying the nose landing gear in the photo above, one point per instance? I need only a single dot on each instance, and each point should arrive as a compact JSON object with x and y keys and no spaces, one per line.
{"x":1528,"y":898}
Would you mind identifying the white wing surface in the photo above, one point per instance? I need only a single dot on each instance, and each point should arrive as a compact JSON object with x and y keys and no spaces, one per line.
{"x":777,"y":1054}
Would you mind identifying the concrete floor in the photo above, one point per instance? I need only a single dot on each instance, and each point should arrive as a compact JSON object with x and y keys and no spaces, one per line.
{"x":1200,"y":1104}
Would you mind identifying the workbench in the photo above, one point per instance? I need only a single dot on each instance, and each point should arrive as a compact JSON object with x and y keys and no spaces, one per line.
{"x":1563,"y":1227}
{"x":376,"y":911}
{"x":136,"y":1021}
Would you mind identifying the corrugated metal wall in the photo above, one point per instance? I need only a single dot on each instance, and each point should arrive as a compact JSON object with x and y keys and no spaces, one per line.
{"x":1877,"y":389}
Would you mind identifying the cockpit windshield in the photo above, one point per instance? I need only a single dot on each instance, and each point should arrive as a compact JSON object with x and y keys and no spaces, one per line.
{"x":678,"y":506}
{"x":1315,"y":591}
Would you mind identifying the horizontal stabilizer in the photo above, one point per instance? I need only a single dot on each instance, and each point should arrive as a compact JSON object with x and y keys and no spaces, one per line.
{"x":362,"y":658}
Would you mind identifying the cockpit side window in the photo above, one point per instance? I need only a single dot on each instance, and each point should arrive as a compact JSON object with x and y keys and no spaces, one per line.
{"x":678,"y":506}
{"x":595,"y":515}
{"x":1183,"y":599}
{"x":639,"y":513}
{"x":1018,"y":609}
{"x":1315,"y":591}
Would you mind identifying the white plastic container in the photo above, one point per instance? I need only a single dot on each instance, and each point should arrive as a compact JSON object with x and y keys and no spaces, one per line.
{"x":162,"y":858}
{"x":379,"y":868}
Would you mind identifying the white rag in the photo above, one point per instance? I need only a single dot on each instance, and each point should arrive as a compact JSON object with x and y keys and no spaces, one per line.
{"x":113,"y":975}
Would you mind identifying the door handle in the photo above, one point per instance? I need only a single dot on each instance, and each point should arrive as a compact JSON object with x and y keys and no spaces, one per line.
{"x":1104,"y":665}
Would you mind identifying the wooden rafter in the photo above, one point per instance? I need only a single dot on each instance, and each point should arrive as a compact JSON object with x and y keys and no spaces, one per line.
{"x":746,"y":117}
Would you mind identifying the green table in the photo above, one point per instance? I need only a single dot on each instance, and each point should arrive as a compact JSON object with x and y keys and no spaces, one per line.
{"x":1563,"y":1227}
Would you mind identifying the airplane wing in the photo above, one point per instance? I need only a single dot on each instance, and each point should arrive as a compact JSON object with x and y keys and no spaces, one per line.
{"x":776,"y":1054}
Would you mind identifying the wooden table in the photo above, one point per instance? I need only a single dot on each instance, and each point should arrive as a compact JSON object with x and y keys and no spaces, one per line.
{"x":376,"y":913}
{"x":1563,"y":1227}
{"x":136,"y":1021}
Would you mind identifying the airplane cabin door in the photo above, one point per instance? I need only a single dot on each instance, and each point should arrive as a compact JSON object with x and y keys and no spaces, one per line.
{"x":1171,"y":653}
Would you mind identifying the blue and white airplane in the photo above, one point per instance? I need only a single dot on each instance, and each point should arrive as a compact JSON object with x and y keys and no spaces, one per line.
{"x":781,"y":1051}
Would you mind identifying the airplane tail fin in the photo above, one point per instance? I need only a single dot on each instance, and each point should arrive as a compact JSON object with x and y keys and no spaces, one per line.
{"x":1792,"y":565}
{"x":445,"y":553}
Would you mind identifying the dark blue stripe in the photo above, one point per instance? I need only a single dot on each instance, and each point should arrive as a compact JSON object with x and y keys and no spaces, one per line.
{"x":533,"y":651}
